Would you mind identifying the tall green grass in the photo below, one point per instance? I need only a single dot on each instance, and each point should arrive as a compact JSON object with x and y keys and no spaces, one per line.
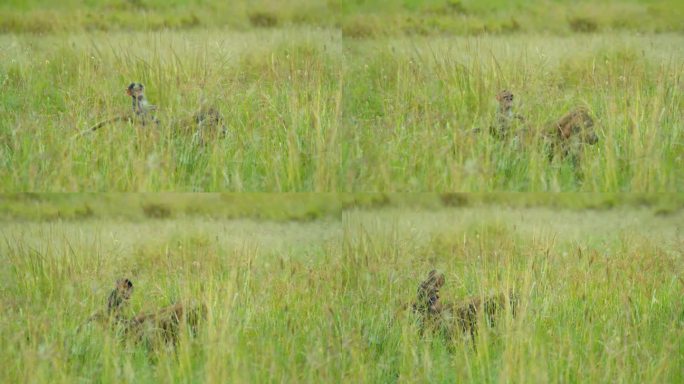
{"x":418,"y":112}
{"x":280,"y":94}
{"x":314,"y":109}
{"x":327,"y":300}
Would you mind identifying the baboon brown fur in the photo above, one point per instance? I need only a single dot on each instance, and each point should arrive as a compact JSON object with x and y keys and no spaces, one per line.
{"x":569,"y":133}
{"x":434,"y":315}
{"x":165,"y":324}
{"x":563,"y":137}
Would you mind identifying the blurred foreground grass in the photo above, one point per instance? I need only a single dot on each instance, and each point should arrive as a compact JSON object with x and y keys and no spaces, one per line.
{"x":302,"y":207}
{"x":357,"y":19}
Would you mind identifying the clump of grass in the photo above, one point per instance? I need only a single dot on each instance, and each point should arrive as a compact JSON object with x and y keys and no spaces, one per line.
{"x":156,"y":211}
{"x":582,"y":24}
{"x":263,"y":19}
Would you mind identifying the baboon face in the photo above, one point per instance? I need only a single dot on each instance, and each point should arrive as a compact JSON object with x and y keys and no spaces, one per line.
{"x":505,"y":99}
{"x":580,"y":124}
{"x":125,"y":288}
{"x":120,"y":295}
{"x":135,"y":90}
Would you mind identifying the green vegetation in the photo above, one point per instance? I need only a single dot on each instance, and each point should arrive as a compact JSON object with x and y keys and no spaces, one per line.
{"x":279,"y":93}
{"x":326,"y":300}
{"x":138,"y":207}
{"x":378,"y":114}
{"x":300,"y":206}
{"x":356,"y":18}
{"x":419,"y":111}
{"x":334,"y":96}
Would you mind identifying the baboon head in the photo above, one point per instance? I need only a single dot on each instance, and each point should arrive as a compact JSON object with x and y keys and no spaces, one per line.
{"x":136,"y":91}
{"x":427,"y":301}
{"x":579,"y":124}
{"x":120,"y":295}
{"x":505,"y":99}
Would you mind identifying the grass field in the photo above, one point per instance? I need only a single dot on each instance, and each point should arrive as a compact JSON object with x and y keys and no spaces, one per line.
{"x":325,"y":299}
{"x":338,"y":96}
{"x":357,"y":156}
{"x":422,"y":108}
{"x":279,"y":92}
{"x":357,"y":19}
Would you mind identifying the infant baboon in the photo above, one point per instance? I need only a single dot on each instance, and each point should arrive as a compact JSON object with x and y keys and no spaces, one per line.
{"x":567,"y":135}
{"x":445,"y":317}
{"x":505,"y":117}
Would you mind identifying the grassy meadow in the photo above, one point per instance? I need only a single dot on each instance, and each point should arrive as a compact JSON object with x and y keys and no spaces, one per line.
{"x":278,"y":91}
{"x":387,"y":96}
{"x":419,"y":111}
{"x":325,"y":299}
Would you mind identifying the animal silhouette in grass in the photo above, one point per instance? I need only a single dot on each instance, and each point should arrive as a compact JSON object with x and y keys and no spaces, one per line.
{"x":567,"y":135}
{"x":446,"y":319}
{"x":162,"y":326}
{"x":563,"y":137}
{"x":141,"y":112}
{"x":206,"y":120}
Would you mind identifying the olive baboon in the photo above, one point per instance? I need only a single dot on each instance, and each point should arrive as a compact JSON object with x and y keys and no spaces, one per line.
{"x":434,"y":315}
{"x":206,"y":122}
{"x":165,"y":324}
{"x":116,"y":302}
{"x":156,"y":327}
{"x":567,"y":135}
{"x":564,"y":137}
{"x":142,"y":110}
